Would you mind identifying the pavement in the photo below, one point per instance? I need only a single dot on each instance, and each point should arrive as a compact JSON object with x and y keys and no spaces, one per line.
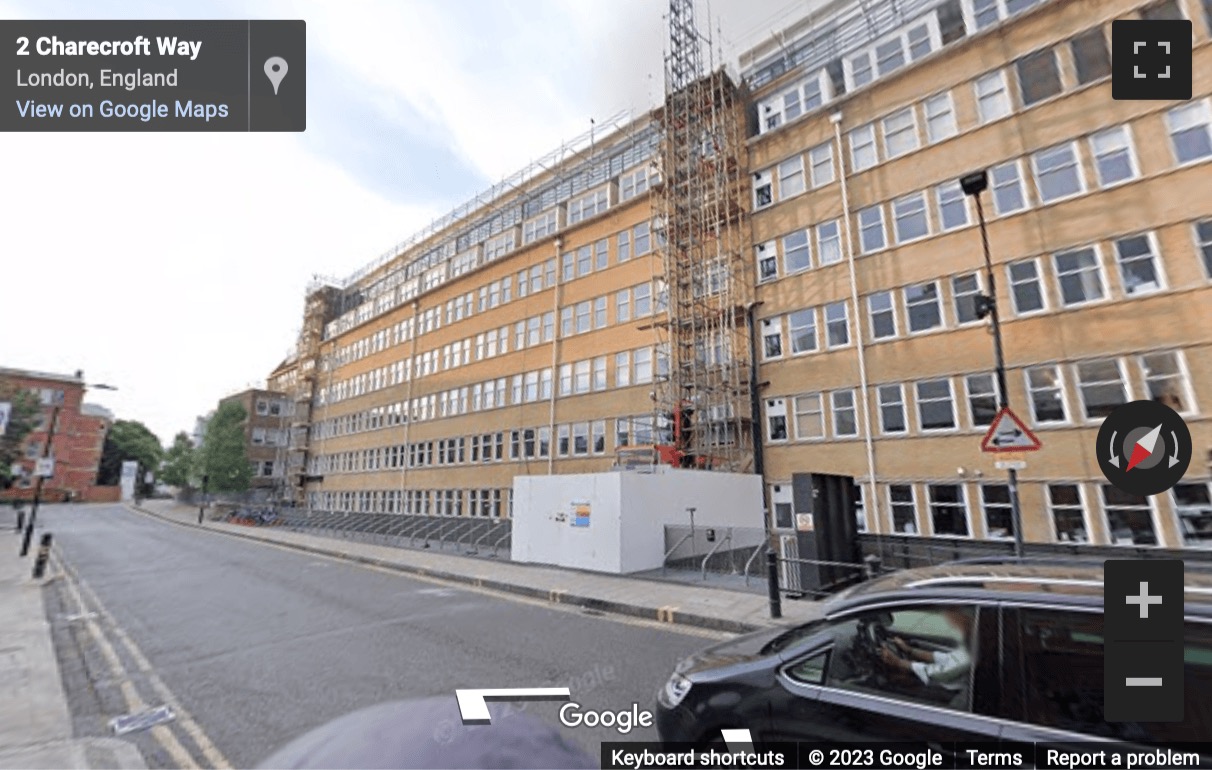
{"x":708,"y":607}
{"x":35,"y":722}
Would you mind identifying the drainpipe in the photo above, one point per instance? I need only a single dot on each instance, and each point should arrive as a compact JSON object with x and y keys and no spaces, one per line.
{"x":553,"y":441}
{"x":864,"y":395}
{"x":412,"y":376}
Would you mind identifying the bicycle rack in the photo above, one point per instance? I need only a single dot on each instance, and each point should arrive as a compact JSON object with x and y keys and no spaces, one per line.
{"x":500,"y":540}
{"x":676,"y":546}
{"x":727,"y":539}
{"x":756,"y":552}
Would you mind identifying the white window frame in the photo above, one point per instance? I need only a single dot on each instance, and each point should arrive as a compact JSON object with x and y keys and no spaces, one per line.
{"x":794,"y":428}
{"x":931,"y":112}
{"x":859,"y":140}
{"x":771,"y":327}
{"x":1100,"y":271}
{"x":965,"y":501}
{"x":820,"y":241}
{"x":1083,"y":500}
{"x":955,"y":296}
{"x":938,"y":303}
{"x":949,"y":188}
{"x":1127,"y":146}
{"x":1151,"y":502}
{"x":833,"y":411}
{"x":766,"y":253}
{"x":1039,"y":282}
{"x":1020,"y":182}
{"x":984,"y":506}
{"x":915,"y":198}
{"x":807,"y":234}
{"x":814,"y":164}
{"x":1076,"y":165}
{"x":863,"y":229}
{"x":918,"y":401}
{"x":968,"y":394}
{"x":881,"y":404}
{"x":892,"y":310}
{"x":1124,"y":380}
{"x":763,"y":180}
{"x":1155,"y":257}
{"x":980,"y":93}
{"x":917,"y":512}
{"x":792,"y":168}
{"x":811,"y":314}
{"x":1184,"y":375}
{"x":825,"y":323}
{"x":1061,"y":386}
{"x":1204,"y":110}
{"x":895,"y":133}
{"x":776,"y":407}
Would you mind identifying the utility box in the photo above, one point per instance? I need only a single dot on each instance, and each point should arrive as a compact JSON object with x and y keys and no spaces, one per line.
{"x":615,"y":521}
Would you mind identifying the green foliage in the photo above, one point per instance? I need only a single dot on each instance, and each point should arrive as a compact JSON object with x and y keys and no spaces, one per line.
{"x":224,"y":456}
{"x":178,"y":461}
{"x":129,"y":440}
{"x":24,"y":416}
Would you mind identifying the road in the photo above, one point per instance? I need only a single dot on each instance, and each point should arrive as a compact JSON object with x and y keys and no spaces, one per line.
{"x":256,"y":644}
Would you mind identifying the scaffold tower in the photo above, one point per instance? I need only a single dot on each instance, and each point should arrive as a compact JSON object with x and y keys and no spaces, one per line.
{"x":706,"y":289}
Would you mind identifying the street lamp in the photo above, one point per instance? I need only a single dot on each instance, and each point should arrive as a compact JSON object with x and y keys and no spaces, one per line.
{"x":46,"y":453}
{"x":986,"y":305}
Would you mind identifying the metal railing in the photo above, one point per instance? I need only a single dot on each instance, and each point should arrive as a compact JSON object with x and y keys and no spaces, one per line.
{"x":399,"y":530}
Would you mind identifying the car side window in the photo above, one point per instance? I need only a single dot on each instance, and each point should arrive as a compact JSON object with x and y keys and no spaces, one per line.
{"x":1063,"y":679}
{"x":924,"y":654}
{"x":811,"y":670}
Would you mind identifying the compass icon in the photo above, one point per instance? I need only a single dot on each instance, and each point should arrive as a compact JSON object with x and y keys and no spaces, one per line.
{"x":1144,"y":448}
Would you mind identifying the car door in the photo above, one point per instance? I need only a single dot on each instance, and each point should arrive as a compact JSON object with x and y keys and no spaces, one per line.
{"x":1054,"y":687}
{"x":838,"y":692}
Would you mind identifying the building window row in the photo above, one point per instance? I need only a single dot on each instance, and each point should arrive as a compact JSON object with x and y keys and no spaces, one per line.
{"x":486,"y":503}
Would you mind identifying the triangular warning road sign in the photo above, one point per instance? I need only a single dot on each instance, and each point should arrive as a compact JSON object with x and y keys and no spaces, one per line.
{"x":1009,"y":434}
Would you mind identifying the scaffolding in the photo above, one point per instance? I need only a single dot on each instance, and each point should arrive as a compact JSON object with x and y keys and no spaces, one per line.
{"x":703,"y":381}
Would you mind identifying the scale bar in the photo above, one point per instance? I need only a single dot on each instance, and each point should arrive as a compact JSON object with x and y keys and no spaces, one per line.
{"x":1143,"y":681}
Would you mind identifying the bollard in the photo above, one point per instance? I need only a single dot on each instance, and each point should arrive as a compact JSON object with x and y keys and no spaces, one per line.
{"x":772,"y":576}
{"x":20,"y":520}
{"x":43,"y":556}
{"x":873,"y":566}
{"x":201,"y":509}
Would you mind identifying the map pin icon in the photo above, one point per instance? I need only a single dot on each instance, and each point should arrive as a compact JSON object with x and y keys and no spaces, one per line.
{"x":275,"y":70}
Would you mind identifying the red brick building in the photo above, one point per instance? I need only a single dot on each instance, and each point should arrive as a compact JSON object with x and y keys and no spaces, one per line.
{"x":77,"y":444}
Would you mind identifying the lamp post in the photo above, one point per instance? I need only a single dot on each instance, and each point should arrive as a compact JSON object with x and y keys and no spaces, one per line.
{"x":46,"y":453}
{"x":986,"y":305}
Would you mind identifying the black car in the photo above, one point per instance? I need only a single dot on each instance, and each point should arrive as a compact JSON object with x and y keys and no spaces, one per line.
{"x":955,"y":653}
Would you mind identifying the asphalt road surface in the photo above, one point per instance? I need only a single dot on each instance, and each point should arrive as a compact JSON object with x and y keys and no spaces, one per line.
{"x":255,"y":644}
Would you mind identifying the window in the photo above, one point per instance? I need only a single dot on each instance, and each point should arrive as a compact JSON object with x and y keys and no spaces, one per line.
{"x":1024,"y":286}
{"x":584,"y":261}
{"x":919,"y":41}
{"x":952,"y":205}
{"x":580,"y":378}
{"x":903,"y":505}
{"x":1091,"y":57}
{"x":1080,"y":276}
{"x":641,"y":238}
{"x":549,"y":326}
{"x":935,"y":405}
{"x":809,"y":417}
{"x":871,"y":229}
{"x":622,"y":306}
{"x":1163,"y":10}
{"x":992,"y":97}
{"x":763,"y":190}
{"x":948,"y":509}
{"x":900,"y":133}
{"x":791,"y":177}
{"x":923,"y":306}
{"x":1008,"y":194}
{"x":940,"y":117}
{"x":539,"y":227}
{"x":565,"y":379}
{"x":598,"y":436}
{"x":892,"y":409}
{"x":1068,"y":517}
{"x":802,"y":326}
{"x":549,"y":273}
{"x":631,"y":185}
{"x":986,"y":12}
{"x":599,"y":313}
{"x":982,"y":399}
{"x":821,"y":160}
{"x":622,"y":369}
{"x":863,"y":152}
{"x":796,"y":257}
{"x":532,"y":387}
{"x":642,"y":359}
{"x":813,"y":96}
{"x":767,"y":261}
{"x":772,"y":338}
{"x":1058,"y":173}
{"x":999,"y":516}
{"x":964,"y":292}
{"x":1138,"y":265}
{"x":601,"y":254}
{"x":909,"y":216}
{"x":568,"y":264}
{"x":1193,"y":505}
{"x":1114,"y":160}
{"x":951,"y":21}
{"x":776,"y":420}
{"x":1038,"y":76}
{"x":580,"y":438}
{"x":1203,"y":238}
{"x":882,"y":310}
{"x":845,"y":415}
{"x":1166,"y":380}
{"x":890,"y":55}
{"x":587,"y":206}
{"x":1100,"y":383}
{"x":642,"y":295}
{"x":624,"y":246}
{"x":1046,"y":390}
{"x":829,"y":243}
{"x":1129,"y":518}
{"x":837,"y":325}
{"x":1190,"y":131}
{"x":599,"y":373}
{"x":860,"y":69}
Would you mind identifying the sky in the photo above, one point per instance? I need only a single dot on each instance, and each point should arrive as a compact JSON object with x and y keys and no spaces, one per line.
{"x":173,"y":266}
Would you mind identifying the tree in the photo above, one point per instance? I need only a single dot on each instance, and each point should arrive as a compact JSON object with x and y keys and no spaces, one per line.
{"x":178,"y":461}
{"x":224,"y":456}
{"x":26,"y":410}
{"x":129,"y":440}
